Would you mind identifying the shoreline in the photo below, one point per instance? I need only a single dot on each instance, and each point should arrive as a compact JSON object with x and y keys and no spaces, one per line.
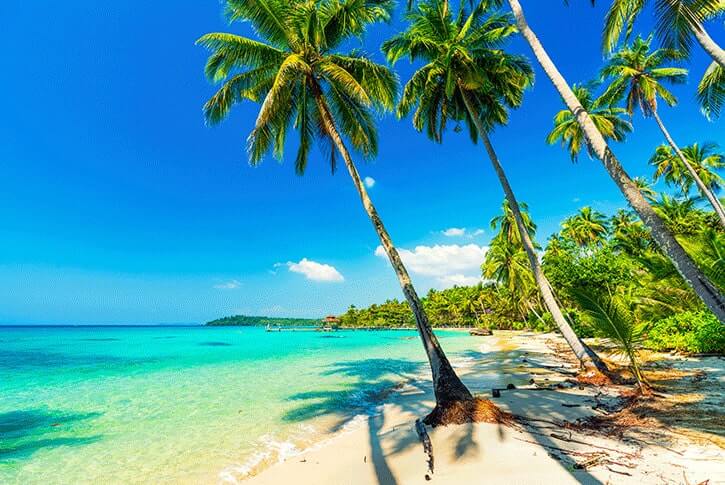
{"x":381,"y":446}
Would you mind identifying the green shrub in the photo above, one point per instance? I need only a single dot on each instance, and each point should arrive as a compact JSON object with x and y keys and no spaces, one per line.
{"x":696,"y":332}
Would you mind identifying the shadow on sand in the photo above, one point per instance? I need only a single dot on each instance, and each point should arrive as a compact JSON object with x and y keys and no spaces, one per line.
{"x":376,"y":379}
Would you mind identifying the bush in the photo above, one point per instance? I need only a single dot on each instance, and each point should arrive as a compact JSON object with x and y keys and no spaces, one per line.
{"x":695,"y":332}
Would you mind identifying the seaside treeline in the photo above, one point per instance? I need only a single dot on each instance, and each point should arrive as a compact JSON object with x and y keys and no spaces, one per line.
{"x":250,"y":321}
{"x":620,"y":276}
{"x":593,"y":257}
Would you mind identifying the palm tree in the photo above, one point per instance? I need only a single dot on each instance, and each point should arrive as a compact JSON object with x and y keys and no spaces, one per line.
{"x":556,"y":245}
{"x":677,"y":22}
{"x":687,"y":268}
{"x":507,"y":263}
{"x":680,"y":215}
{"x":587,"y":228}
{"x":704,"y":159}
{"x":613,"y":315}
{"x":608,"y":120}
{"x":629,"y":235}
{"x":506,"y":225}
{"x":637,"y":77}
{"x":467,"y":77}
{"x":304,"y":82}
{"x":645,"y":188}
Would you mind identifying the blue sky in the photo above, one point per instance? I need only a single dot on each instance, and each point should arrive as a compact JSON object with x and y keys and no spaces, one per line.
{"x":118,"y":204}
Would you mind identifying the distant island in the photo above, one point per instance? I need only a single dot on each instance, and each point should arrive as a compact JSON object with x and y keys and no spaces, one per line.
{"x":249,"y":321}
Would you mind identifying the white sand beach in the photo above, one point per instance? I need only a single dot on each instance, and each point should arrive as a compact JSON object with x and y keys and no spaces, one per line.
{"x":635,"y":445}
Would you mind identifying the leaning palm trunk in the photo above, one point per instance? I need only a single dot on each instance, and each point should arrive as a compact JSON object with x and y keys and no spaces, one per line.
{"x":710,"y":46}
{"x":586,"y":360}
{"x":447,"y":386}
{"x":698,"y":181}
{"x":684,"y":264}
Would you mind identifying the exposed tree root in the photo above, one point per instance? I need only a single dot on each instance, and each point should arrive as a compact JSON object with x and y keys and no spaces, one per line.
{"x":427,"y":446}
{"x":476,"y":410}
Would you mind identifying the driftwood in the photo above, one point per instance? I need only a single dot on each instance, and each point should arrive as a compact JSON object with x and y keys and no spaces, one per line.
{"x":427,"y":446}
{"x":618,"y":471}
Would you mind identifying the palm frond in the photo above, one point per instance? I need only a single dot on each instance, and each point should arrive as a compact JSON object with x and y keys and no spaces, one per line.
{"x":268,"y":17}
{"x":231,"y":51}
{"x":613,"y":317}
{"x":711,"y":91}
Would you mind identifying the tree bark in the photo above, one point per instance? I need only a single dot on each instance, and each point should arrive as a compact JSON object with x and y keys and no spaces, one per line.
{"x":698,"y":181}
{"x":585,"y":359}
{"x":447,"y":386}
{"x":710,"y":46}
{"x":709,"y":294}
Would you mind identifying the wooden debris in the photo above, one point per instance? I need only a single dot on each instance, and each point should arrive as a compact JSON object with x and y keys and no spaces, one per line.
{"x":427,"y":446}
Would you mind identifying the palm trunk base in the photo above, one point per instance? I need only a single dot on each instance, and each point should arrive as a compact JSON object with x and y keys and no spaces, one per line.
{"x":472,"y":410}
{"x":456,"y":405}
{"x":594,"y":362}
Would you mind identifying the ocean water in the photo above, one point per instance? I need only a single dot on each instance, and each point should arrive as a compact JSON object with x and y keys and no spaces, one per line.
{"x":185,"y":404}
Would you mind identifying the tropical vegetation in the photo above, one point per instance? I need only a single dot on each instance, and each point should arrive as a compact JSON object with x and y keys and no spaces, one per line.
{"x":467,"y":77}
{"x":651,"y":275}
{"x":250,"y":321}
{"x":303,"y":77}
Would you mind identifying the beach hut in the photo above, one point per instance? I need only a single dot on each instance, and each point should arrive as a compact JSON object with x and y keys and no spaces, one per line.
{"x":330,"y":323}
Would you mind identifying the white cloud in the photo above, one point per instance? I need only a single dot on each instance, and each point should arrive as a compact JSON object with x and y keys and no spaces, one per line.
{"x":448,"y":264}
{"x":454,"y":232}
{"x":369,"y":182}
{"x":315,"y":271}
{"x":459,"y":280}
{"x":228,"y":285}
{"x":461,"y":232}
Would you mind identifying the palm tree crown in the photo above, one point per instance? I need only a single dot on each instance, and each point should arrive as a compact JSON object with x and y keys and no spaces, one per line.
{"x":676,"y":20}
{"x":506,"y":223}
{"x":704,"y":159}
{"x":608,"y":119}
{"x":645,"y":188}
{"x":680,"y":215}
{"x":588,"y":227}
{"x":638,"y":75}
{"x":296,"y":60}
{"x":462,"y":57}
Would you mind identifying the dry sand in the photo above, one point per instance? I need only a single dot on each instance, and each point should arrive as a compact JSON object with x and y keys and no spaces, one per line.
{"x":384,"y":448}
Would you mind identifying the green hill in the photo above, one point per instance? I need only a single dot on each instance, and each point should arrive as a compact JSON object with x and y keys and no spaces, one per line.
{"x":247,"y":321}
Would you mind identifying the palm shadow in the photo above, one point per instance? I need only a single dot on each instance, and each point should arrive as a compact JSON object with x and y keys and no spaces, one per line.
{"x":23,"y":433}
{"x":383,"y":473}
{"x":376,"y":379}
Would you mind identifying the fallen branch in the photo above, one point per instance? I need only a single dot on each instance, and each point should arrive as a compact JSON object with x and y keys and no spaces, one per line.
{"x":427,"y":446}
{"x":618,"y":471}
{"x":571,"y":440}
{"x":563,"y":450}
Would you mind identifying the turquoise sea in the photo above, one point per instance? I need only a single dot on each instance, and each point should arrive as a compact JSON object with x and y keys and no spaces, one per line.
{"x":185,"y":404}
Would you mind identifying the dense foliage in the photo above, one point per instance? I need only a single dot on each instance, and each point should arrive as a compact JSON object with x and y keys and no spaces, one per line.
{"x":466,"y":306}
{"x":248,"y":321}
{"x":611,"y":279}
{"x":696,"y":332}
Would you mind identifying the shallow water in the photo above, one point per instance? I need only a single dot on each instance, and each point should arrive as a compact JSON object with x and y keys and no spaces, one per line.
{"x":185,"y":404}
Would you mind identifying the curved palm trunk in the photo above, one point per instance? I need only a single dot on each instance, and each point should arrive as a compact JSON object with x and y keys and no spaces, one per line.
{"x":587,"y":361}
{"x":698,"y":181}
{"x":684,"y":264}
{"x":710,"y":46}
{"x":447,"y":386}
